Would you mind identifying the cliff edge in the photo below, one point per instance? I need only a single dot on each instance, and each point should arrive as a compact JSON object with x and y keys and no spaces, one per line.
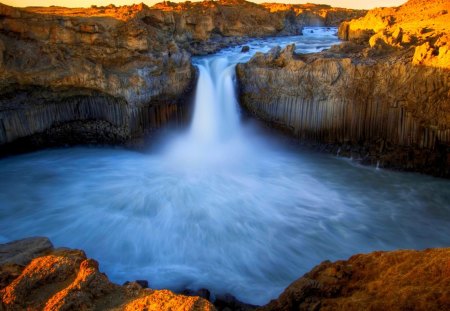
{"x":370,"y":98}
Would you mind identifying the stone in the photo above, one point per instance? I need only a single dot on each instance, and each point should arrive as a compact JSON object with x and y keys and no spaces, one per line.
{"x":362,"y":94}
{"x":229,"y":302}
{"x":202,"y":292}
{"x":65,"y":279}
{"x":396,"y":280}
{"x":245,"y":49}
{"x":21,"y":252}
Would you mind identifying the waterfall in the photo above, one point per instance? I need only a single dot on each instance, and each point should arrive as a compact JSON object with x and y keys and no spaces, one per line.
{"x":216,"y":117}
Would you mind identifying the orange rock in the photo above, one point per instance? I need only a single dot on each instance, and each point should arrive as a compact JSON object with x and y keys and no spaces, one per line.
{"x":67,"y":280}
{"x":398,"y":280}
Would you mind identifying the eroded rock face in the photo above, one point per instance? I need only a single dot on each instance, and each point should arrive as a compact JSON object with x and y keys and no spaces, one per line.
{"x":418,"y":24}
{"x":77,"y":73}
{"x":365,"y":99}
{"x":398,"y":280}
{"x":310,"y":14}
{"x":65,"y":279}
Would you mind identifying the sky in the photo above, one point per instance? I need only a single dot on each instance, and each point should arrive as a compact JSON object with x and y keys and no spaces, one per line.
{"x":356,"y":4}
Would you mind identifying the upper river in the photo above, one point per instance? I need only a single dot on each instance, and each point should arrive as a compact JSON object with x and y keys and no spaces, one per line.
{"x":220,"y":204}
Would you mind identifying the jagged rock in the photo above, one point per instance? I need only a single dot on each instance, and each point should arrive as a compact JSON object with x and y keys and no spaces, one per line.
{"x":245,"y":49}
{"x":228,"y":302}
{"x":397,"y":280}
{"x":73,"y":76}
{"x":418,"y":24}
{"x":202,"y":292}
{"x":372,"y":102}
{"x":65,"y":279}
{"x":21,"y":252}
{"x":310,"y":14}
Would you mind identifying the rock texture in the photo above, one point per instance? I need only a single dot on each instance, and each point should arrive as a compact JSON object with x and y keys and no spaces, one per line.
{"x":397,"y":280}
{"x":310,"y":14}
{"x":373,"y":103}
{"x":64,"y":279}
{"x":78,"y":73}
{"x":421,"y":25}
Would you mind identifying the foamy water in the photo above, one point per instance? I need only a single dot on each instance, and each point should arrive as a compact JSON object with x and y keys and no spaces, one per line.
{"x":220,"y":205}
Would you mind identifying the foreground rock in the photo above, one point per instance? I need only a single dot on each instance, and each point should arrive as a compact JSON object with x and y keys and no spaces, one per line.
{"x":65,"y":279}
{"x":373,"y":103}
{"x":398,"y":280}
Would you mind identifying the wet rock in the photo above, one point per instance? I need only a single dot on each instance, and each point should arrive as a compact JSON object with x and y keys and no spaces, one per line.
{"x":228,"y":302}
{"x":202,"y":292}
{"x":141,"y":283}
{"x":21,"y":252}
{"x":245,"y":49}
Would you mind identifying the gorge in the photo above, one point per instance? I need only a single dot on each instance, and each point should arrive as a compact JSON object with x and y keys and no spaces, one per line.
{"x":221,"y":202}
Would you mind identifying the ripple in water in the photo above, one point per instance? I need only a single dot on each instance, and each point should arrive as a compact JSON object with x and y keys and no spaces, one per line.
{"x":221,"y":206}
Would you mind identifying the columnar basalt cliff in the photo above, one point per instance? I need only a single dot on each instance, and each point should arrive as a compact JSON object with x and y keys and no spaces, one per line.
{"x":369,"y":100}
{"x":77,"y":75}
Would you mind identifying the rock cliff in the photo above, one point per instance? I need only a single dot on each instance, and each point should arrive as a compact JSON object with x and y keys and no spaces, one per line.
{"x":310,"y":14}
{"x":73,"y":74}
{"x":111,"y":74}
{"x":369,"y":101}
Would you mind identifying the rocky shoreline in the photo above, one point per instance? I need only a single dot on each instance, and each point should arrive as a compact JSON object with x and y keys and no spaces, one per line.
{"x":35,"y":275}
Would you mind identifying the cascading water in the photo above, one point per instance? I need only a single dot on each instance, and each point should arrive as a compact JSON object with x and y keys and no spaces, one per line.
{"x":221,"y":206}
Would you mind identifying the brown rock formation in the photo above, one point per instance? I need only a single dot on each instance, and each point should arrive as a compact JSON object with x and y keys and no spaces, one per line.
{"x":368,"y":102}
{"x":310,"y":14}
{"x":419,"y":24}
{"x":398,"y":280}
{"x":72,"y":74}
{"x":65,"y":279}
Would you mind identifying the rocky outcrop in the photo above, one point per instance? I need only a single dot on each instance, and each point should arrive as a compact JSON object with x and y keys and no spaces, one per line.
{"x":397,"y":280}
{"x":373,"y":103}
{"x":310,"y":14}
{"x":418,"y":24}
{"x":64,"y":279}
{"x":204,"y":27}
{"x":68,"y":76}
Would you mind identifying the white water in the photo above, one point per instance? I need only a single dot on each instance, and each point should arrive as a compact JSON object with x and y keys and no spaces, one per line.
{"x":220,"y":206}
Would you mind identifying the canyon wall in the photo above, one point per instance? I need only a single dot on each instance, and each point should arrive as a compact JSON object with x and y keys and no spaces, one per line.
{"x":110,"y":75}
{"x":372,"y":102}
